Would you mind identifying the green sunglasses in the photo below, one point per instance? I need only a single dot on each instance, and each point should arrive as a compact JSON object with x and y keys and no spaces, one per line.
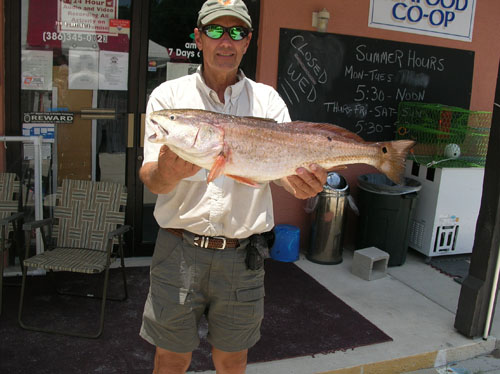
{"x":216,"y":31}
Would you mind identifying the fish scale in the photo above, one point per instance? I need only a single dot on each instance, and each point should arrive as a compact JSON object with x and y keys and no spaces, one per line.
{"x":255,"y":150}
{"x":313,"y":148}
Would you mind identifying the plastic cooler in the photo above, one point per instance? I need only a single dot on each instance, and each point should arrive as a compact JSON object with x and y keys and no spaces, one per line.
{"x":286,"y":243}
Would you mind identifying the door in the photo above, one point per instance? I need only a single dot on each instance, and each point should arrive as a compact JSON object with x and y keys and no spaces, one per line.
{"x":80,"y":73}
{"x":71,"y":84}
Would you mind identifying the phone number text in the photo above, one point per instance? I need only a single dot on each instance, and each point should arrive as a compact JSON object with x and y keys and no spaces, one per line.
{"x":74,"y":37}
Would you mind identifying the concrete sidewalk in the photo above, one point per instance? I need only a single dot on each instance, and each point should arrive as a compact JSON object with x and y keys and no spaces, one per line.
{"x":414,"y":304}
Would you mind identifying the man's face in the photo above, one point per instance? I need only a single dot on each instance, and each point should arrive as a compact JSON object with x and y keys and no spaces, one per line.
{"x":222,"y":55}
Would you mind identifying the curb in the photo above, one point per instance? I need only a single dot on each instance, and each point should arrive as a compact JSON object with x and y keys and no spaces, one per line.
{"x":429,"y":360}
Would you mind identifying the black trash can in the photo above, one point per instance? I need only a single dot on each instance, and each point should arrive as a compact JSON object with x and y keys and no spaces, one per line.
{"x":329,"y":217}
{"x":385,"y":213}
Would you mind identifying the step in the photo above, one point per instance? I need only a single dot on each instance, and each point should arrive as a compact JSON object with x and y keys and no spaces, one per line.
{"x":434,"y":362}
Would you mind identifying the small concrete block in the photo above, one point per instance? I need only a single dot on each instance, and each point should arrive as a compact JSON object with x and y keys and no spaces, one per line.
{"x":370,"y":263}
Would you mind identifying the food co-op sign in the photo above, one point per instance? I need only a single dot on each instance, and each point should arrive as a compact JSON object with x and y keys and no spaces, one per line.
{"x":453,"y":19}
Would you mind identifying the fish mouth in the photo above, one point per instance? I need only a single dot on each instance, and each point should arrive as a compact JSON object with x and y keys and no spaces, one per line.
{"x":160,"y":132}
{"x":160,"y":128}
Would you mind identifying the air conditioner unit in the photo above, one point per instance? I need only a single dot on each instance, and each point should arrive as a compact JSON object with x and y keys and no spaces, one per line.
{"x":444,"y":222}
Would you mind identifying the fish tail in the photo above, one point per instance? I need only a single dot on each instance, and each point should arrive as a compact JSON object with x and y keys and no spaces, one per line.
{"x":392,"y":160}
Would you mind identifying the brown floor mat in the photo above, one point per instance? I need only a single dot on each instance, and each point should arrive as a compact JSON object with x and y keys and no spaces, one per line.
{"x":301,"y":318}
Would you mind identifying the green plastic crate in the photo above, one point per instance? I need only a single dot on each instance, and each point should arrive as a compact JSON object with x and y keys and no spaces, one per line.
{"x":446,"y":136}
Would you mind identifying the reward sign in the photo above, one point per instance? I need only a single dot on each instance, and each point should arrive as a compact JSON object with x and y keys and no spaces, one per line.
{"x":49,"y":117}
{"x":452,"y":19}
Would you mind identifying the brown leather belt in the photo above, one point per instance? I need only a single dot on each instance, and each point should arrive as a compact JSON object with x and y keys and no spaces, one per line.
{"x":212,"y":242}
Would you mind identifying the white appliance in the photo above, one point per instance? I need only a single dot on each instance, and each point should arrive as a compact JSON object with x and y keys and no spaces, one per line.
{"x":446,"y":211}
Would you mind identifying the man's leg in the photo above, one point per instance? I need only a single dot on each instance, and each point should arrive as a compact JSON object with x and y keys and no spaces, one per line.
{"x":229,"y":362}
{"x":168,"y":362}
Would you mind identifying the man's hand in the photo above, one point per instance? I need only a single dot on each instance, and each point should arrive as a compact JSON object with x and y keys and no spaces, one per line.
{"x":306,"y":183}
{"x":162,"y":176}
{"x":172,"y":167}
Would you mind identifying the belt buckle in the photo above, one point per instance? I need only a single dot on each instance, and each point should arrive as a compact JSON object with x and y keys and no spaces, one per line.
{"x":223,"y":242}
{"x":204,"y":240}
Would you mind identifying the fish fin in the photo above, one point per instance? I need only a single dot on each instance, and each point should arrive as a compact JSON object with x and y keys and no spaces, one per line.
{"x":247,"y":181}
{"x":217,"y":168}
{"x":329,"y":128}
{"x":219,"y":164}
{"x":338,"y":167}
{"x":261,"y":119}
{"x":392,"y":158}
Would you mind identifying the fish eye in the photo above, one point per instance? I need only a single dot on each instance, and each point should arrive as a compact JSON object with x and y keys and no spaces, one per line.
{"x":172,"y":117}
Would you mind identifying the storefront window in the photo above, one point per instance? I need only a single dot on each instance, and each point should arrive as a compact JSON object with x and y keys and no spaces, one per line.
{"x":74,"y":59}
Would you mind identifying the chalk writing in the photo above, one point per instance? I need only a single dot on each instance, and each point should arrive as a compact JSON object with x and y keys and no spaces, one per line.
{"x":358,"y":83}
{"x":304,"y":73}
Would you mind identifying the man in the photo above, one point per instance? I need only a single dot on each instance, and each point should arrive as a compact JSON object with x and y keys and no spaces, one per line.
{"x":199,"y":266}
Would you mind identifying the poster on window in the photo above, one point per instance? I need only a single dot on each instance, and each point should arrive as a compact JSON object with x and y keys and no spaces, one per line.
{"x":82,"y":24}
{"x":86,"y":15}
{"x":179,"y":69}
{"x":36,"y":70}
{"x":83,"y":70}
{"x":113,"y":70}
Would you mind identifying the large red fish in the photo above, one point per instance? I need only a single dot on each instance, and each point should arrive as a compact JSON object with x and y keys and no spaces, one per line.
{"x":253,"y":150}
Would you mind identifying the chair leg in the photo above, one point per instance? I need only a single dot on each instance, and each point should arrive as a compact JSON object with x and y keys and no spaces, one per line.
{"x":124,"y":276}
{"x":2,"y":250}
{"x":62,"y":332}
{"x":21,"y":299}
{"x":1,"y":279}
{"x":103,"y":302}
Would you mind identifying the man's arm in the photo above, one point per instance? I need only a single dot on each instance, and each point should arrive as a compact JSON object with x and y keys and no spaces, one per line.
{"x":162,"y":176}
{"x":306,"y":183}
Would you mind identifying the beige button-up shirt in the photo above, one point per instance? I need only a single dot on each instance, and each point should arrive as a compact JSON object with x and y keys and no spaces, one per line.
{"x":223,"y":207}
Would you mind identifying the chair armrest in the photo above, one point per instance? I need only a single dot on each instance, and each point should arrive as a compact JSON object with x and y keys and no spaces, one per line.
{"x":119,"y":231}
{"x":11,"y":218}
{"x":36,"y":224}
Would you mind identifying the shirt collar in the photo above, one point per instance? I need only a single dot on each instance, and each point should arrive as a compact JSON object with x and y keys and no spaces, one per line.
{"x":234,"y":90}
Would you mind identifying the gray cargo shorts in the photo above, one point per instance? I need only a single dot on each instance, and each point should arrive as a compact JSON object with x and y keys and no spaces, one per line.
{"x":186,"y":281}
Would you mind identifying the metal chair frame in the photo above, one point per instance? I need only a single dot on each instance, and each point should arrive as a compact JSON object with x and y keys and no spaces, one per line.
{"x":46,"y":226}
{"x":10,"y":196}
{"x":4,"y":224}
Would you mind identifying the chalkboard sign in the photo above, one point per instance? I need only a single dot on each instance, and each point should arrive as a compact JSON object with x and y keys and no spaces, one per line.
{"x":358,"y":83}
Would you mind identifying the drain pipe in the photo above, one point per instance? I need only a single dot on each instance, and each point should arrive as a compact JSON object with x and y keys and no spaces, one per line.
{"x":492,"y":298}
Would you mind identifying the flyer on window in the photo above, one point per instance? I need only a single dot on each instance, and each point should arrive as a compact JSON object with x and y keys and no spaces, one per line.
{"x":83,"y":70}
{"x":113,"y":70}
{"x":36,"y":70}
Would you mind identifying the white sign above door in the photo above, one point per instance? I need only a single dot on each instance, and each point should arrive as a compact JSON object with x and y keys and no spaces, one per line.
{"x":451,"y":19}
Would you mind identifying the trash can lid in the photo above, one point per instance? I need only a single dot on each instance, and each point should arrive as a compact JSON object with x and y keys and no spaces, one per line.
{"x":335,"y":181}
{"x":380,"y":184}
